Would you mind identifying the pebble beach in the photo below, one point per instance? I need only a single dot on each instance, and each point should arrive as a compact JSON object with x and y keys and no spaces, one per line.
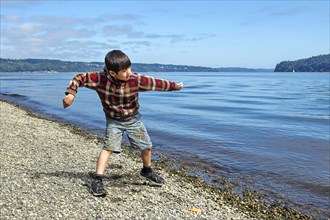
{"x":45,"y":174}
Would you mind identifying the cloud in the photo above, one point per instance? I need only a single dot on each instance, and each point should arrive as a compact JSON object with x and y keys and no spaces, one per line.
{"x":59,"y":37}
{"x":129,"y":32}
{"x":27,"y":27}
{"x":82,"y":50}
{"x":78,"y":50}
{"x":121,"y":30}
{"x":114,"y":31}
{"x":138,"y":43}
{"x":201,"y":37}
{"x":46,"y":39}
{"x":122,"y":17}
{"x":10,"y":18}
{"x":64,"y":21}
{"x":170,"y":36}
{"x":47,"y":33}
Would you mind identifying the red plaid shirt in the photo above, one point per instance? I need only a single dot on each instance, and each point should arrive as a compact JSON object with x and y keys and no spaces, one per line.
{"x":119,"y":99}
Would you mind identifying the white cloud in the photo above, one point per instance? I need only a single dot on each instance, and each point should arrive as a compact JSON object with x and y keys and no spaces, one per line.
{"x":142,"y":43}
{"x":41,"y":40}
{"x":65,"y":21}
{"x":10,"y":18}
{"x":27,"y":27}
{"x":123,"y":17}
{"x":71,"y":38}
{"x":118,"y":30}
{"x":115,"y":31}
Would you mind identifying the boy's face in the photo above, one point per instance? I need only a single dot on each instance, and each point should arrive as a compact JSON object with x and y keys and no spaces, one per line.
{"x":122,"y":75}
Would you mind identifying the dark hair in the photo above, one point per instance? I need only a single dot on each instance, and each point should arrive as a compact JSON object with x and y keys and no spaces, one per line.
{"x":116,"y":60}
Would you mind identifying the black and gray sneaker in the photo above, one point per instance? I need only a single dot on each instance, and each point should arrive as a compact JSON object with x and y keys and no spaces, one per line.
{"x":152,"y":177}
{"x":97,"y":188}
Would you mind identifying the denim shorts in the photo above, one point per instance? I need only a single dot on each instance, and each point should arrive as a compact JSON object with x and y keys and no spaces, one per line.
{"x":135,"y":130}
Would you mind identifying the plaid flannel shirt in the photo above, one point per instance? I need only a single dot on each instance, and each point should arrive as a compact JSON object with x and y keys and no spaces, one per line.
{"x":119,"y":99}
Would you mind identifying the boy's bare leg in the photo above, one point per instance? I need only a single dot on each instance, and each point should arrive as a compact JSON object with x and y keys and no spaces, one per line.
{"x":102,"y":161}
{"x":146,"y":157}
{"x":97,"y":187}
{"x":147,"y":172}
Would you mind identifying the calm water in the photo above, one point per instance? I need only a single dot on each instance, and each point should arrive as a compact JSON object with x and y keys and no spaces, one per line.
{"x":268,"y":131}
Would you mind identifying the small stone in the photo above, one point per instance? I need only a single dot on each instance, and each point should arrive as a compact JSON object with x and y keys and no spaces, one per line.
{"x":196,"y":210}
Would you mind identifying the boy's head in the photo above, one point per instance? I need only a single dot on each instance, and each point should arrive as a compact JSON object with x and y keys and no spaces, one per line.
{"x":116,"y":61}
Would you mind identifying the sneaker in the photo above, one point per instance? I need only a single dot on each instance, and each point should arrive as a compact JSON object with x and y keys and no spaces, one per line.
{"x":97,"y":188}
{"x":152,"y":177}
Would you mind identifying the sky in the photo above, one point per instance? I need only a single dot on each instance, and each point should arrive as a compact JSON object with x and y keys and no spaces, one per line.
{"x":251,"y":34}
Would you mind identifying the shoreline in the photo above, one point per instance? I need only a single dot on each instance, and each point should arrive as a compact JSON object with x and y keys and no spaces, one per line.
{"x":57,"y":158}
{"x":45,"y":173}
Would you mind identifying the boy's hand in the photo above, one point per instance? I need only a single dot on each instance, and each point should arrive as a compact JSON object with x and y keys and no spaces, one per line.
{"x":179,"y":86}
{"x":67,"y":100}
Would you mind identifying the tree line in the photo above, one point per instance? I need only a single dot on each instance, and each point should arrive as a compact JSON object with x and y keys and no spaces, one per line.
{"x":30,"y":65}
{"x":319,"y":63}
{"x":21,"y":65}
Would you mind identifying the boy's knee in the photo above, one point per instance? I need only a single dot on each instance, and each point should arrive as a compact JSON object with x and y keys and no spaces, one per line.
{"x":105,"y":151}
{"x":146,"y":149}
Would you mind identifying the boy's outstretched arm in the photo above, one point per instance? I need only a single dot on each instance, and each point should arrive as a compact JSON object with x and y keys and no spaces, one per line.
{"x":67,"y":100}
{"x":147,"y":83}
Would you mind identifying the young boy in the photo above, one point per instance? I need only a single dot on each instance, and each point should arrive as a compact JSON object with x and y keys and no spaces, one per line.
{"x":118,"y":90}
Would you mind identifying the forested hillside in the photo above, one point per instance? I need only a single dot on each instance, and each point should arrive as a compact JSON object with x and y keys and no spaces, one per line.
{"x":314,"y":64}
{"x":20,"y":65}
{"x":30,"y":65}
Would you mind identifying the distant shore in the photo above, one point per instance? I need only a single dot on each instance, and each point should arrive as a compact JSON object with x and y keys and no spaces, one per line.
{"x":44,"y":65}
{"x":318,"y":63}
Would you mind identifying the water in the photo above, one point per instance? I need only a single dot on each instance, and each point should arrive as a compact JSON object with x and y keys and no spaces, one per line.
{"x":268,"y":131}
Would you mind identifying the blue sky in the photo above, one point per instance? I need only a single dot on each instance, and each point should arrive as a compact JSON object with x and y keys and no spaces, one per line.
{"x":254,"y":34}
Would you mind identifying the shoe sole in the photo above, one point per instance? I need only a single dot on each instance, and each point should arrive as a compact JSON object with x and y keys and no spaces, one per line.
{"x":150,"y":182}
{"x":97,"y":194}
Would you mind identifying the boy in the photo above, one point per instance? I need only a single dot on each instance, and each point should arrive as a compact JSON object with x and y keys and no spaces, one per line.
{"x":118,"y":89}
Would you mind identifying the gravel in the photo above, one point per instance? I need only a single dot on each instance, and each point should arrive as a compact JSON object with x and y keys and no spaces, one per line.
{"x":45,"y":173}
